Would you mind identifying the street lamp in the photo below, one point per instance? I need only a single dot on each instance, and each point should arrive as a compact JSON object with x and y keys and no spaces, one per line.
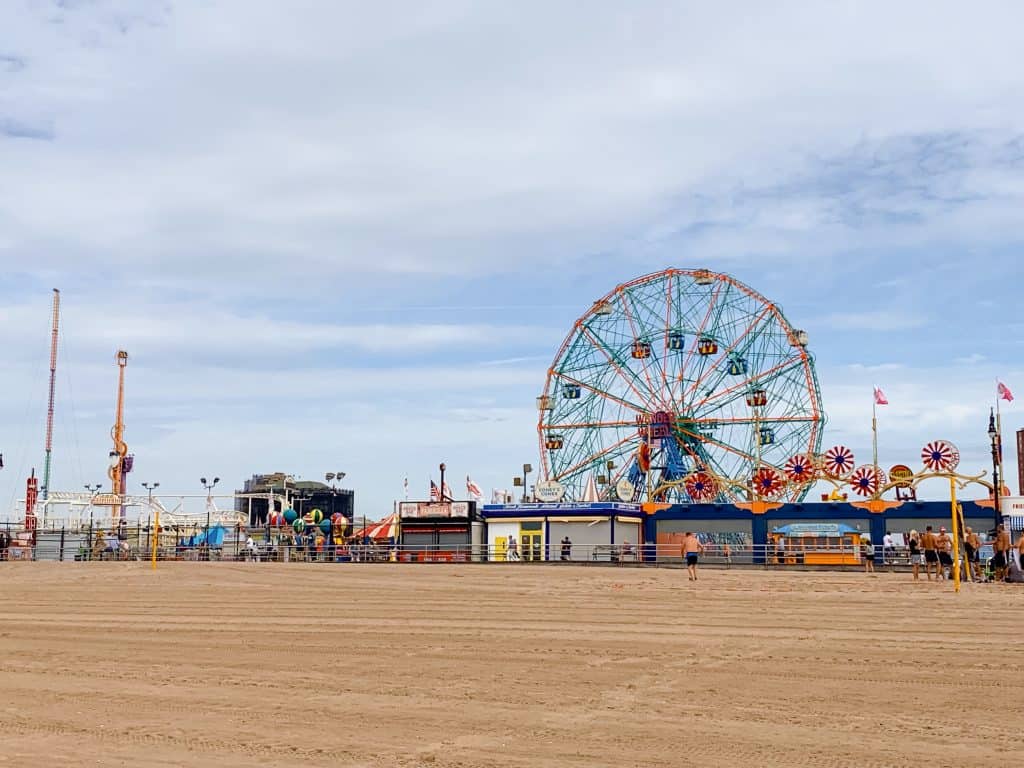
{"x":527,"y":469}
{"x":993,"y":435}
{"x":443,"y":467}
{"x":150,"y":487}
{"x":92,"y":489}
{"x":209,"y":487}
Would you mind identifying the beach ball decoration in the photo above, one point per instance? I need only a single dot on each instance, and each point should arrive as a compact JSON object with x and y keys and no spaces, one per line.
{"x":325,"y":526}
{"x":940,"y":456}
{"x":799,"y":468}
{"x":298,"y":525}
{"x":866,"y":480}
{"x":768,"y":481}
{"x":838,"y":461}
{"x":316,"y":516}
{"x":276,"y":519}
{"x":290,"y":515}
{"x":700,"y":486}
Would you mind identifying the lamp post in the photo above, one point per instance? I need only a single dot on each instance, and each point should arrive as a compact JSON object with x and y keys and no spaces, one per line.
{"x":209,"y":487}
{"x":442,"y":468}
{"x":993,"y":435}
{"x":150,"y":487}
{"x":92,"y":489}
{"x":527,"y":469}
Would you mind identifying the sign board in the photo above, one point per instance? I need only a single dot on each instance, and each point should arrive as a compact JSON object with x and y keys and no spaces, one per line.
{"x":1011,"y":505}
{"x":817,"y":529}
{"x":106,"y":500}
{"x":433,"y":509}
{"x":901,"y":474}
{"x":549,"y":491}
{"x":625,"y":489}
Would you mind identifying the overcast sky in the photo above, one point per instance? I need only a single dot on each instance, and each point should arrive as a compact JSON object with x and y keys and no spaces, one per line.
{"x":351,"y":236}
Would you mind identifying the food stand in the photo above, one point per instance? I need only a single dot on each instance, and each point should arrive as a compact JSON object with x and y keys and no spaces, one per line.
{"x":817,"y":543}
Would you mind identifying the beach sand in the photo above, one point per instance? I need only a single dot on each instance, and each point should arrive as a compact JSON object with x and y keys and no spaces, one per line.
{"x":514,"y":665}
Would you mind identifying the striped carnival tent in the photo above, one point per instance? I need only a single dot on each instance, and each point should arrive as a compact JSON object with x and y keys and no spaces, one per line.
{"x":382,"y":531}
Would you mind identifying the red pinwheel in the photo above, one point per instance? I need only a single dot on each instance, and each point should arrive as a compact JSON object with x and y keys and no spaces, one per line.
{"x":866,"y":480}
{"x":838,"y":461}
{"x":701,"y":486}
{"x":768,"y":482}
{"x":940,"y":456}
{"x":799,"y":468}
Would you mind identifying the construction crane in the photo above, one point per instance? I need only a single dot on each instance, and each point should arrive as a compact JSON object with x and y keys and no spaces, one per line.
{"x":120,"y":461}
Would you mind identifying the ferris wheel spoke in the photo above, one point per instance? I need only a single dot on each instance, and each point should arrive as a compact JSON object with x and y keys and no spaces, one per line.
{"x":696,"y":340}
{"x":591,"y":425}
{"x":742,"y":386}
{"x":718,"y":443}
{"x":590,"y":460}
{"x":629,"y":381}
{"x":602,"y":393}
{"x":627,"y":299}
{"x":716,"y":365}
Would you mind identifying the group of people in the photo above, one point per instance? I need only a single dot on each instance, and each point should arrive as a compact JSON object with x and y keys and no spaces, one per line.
{"x":935,"y":552}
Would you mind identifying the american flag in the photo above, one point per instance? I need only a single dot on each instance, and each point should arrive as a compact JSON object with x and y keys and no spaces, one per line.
{"x":475,"y":491}
{"x":435,"y":493}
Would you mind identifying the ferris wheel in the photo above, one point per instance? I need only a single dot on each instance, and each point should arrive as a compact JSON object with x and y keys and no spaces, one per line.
{"x":673,"y":386}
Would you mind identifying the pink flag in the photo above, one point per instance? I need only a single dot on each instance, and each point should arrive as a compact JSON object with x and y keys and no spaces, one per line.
{"x":475,"y":491}
{"x":880,"y":398}
{"x":1004,"y":392}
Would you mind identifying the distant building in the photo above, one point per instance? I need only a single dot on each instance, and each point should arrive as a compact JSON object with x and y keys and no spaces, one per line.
{"x":300,"y":495}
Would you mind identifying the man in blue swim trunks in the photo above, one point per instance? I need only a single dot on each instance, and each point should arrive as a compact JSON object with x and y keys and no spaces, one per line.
{"x":692,"y":548}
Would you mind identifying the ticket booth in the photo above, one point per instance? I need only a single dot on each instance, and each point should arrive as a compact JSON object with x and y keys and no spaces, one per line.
{"x":815,"y":544}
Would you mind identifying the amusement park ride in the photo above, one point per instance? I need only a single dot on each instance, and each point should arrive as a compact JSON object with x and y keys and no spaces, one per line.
{"x":687,"y":386}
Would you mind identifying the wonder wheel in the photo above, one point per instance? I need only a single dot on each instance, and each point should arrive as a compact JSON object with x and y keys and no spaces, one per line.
{"x":681,"y":386}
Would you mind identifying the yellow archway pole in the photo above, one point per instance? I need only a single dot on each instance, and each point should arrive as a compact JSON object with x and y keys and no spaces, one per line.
{"x":956,"y":535}
{"x":156,"y":535}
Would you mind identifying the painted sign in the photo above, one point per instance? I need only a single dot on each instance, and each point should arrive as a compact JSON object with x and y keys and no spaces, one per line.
{"x":433,"y":509}
{"x":549,"y":491}
{"x":625,"y":489}
{"x":901,"y":473}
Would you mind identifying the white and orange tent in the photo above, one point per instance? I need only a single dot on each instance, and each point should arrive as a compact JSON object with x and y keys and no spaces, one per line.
{"x":381,"y":531}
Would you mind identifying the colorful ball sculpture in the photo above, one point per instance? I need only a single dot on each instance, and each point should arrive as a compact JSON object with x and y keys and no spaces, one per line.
{"x":316,"y":516}
{"x":290,"y":515}
{"x":325,"y":526}
{"x":298,"y":525}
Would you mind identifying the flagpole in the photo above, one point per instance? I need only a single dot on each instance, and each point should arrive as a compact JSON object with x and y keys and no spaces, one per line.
{"x":999,"y":444}
{"x":874,"y":431}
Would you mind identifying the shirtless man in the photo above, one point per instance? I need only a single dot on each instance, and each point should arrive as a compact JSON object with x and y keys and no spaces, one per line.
{"x":972,"y":545}
{"x":944,"y":545}
{"x":931,"y":557}
{"x":692,"y":548}
{"x":1001,"y":548}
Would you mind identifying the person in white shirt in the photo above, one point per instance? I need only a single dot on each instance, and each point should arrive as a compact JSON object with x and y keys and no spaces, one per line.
{"x":888,"y":550}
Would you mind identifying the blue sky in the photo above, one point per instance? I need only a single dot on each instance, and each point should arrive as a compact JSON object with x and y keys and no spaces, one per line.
{"x":334,"y":237}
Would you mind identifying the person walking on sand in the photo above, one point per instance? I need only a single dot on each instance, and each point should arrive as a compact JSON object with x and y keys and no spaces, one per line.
{"x":727,"y":554}
{"x":692,"y":549}
{"x":931,"y":556}
{"x":914,"y":544}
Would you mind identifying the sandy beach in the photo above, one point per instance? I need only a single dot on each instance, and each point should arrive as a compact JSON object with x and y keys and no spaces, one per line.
{"x":383,"y":665}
